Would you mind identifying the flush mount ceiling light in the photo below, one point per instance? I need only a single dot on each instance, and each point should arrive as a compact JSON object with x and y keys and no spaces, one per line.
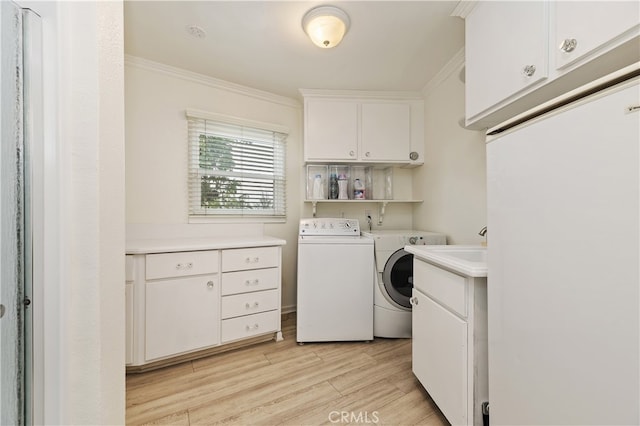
{"x":325,"y":25}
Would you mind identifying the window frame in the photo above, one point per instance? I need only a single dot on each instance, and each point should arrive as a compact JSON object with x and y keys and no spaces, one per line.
{"x":198,"y":214}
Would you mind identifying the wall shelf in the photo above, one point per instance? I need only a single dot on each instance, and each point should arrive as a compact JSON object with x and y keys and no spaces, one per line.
{"x":382,"y":205}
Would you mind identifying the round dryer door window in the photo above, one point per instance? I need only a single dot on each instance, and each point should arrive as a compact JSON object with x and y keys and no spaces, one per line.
{"x":397,"y":277}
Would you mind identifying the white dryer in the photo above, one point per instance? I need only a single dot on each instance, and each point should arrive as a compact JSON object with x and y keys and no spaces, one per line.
{"x":393,"y":278}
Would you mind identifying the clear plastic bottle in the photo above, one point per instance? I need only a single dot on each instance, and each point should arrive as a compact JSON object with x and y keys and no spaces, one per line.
{"x":318,"y":193}
{"x":333,"y":187}
{"x":343,"y":185}
{"x":358,"y":190}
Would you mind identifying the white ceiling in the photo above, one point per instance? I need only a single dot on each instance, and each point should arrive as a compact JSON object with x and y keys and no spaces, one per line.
{"x":391,"y":45}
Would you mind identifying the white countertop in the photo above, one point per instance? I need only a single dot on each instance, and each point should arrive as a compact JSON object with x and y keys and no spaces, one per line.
{"x":192,"y":244}
{"x":467,"y":260}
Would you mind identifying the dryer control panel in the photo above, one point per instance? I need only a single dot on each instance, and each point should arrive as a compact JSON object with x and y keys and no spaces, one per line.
{"x":329,"y":226}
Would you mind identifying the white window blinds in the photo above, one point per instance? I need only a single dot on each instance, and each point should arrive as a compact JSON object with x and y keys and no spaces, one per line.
{"x":235,"y":170}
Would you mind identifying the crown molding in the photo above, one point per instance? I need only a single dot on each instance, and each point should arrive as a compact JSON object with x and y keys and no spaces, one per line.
{"x":454,"y":64}
{"x":464,"y":8}
{"x":137,"y":62}
{"x":361,"y":94}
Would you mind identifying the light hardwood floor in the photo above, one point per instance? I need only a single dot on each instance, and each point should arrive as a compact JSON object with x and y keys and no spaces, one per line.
{"x":282,"y":383}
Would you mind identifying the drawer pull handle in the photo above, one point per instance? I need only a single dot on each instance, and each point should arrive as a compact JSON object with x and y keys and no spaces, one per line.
{"x":254,"y":305}
{"x":254,"y":282}
{"x":183,"y":266}
{"x":252,"y":327}
{"x":210,"y":284}
{"x":252,"y":260}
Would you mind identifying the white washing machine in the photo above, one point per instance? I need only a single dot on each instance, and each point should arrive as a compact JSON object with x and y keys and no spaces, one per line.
{"x":393,"y":278}
{"x":335,"y":270}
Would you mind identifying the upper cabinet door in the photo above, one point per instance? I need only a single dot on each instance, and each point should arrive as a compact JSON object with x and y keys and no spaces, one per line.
{"x":586,"y":26}
{"x":386,"y":131}
{"x":506,"y":51}
{"x":331,"y":130}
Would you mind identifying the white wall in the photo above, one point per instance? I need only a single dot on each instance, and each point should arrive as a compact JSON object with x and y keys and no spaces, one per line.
{"x":156,"y":98}
{"x":453,"y":180}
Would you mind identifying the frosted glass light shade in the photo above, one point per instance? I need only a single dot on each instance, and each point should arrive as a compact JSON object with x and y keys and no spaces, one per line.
{"x":325,"y":26}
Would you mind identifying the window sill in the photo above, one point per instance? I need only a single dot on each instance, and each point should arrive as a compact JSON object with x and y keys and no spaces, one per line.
{"x":236,"y":219}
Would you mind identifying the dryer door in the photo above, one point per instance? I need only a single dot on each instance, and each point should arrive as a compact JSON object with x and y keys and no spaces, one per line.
{"x":397,"y":277}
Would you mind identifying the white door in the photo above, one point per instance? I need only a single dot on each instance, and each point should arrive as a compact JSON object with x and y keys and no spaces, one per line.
{"x":20,"y":117}
{"x":563,"y":288}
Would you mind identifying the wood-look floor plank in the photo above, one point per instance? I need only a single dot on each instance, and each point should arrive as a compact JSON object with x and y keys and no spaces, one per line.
{"x":366,"y":399}
{"x":285,"y":407}
{"x":274,"y":387}
{"x":197,"y":390}
{"x":283,"y":383}
{"x":410,"y":409}
{"x":176,"y":419}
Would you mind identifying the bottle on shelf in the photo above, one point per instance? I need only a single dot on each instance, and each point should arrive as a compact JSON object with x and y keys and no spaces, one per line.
{"x":318,"y":193}
{"x":343,"y":184}
{"x":333,"y":187}
{"x":358,"y":190}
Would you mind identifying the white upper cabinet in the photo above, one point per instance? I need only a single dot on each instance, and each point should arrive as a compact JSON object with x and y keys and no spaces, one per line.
{"x":586,"y":26}
{"x":520,"y":54}
{"x":386,"y":131}
{"x":504,"y":52}
{"x":331,"y":130}
{"x":345,"y":128}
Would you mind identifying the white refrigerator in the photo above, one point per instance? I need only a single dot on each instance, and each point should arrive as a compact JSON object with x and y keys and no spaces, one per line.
{"x":564,"y":262}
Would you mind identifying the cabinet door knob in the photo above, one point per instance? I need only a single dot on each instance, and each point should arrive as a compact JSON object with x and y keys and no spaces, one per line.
{"x":414,"y":301}
{"x":367,"y":154}
{"x":210,"y":284}
{"x":529,"y":70}
{"x":352,"y":153}
{"x":569,"y":45}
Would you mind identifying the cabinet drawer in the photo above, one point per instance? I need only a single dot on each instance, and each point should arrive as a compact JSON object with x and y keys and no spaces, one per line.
{"x":250,"y":258}
{"x":249,"y":325}
{"x":166,"y":265}
{"x":249,"y":303}
{"x":253,"y":280}
{"x":446,"y":287}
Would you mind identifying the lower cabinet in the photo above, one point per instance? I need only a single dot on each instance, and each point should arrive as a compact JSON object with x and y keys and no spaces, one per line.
{"x":181,"y":315}
{"x":440,"y":356}
{"x":450,"y":341}
{"x":182,"y":302}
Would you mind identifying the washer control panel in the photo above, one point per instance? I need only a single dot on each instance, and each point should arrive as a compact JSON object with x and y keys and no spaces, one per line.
{"x":329,"y":226}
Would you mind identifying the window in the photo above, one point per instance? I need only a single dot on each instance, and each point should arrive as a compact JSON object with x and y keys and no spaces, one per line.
{"x":236,"y":168}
